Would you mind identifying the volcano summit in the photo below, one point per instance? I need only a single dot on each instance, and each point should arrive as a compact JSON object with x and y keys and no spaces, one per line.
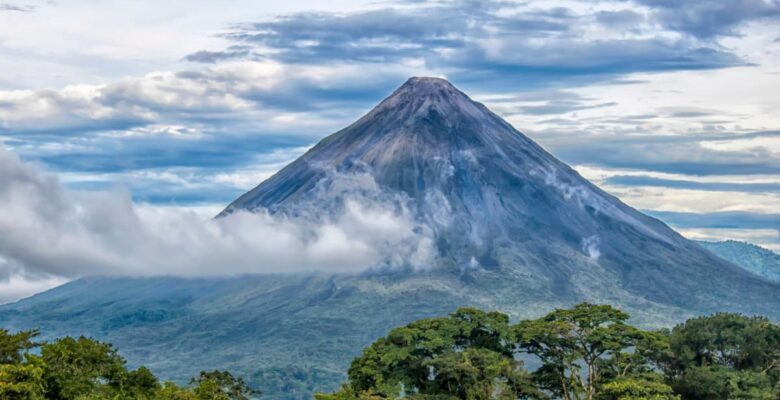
{"x":497,"y":201}
{"x":507,"y":226}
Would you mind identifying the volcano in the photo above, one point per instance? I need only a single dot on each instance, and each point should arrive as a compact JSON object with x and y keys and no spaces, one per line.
{"x":496,"y":200}
{"x":511,"y":228}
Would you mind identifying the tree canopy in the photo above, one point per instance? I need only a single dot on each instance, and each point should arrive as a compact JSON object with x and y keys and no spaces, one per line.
{"x":587,"y":352}
{"x":86,"y":369}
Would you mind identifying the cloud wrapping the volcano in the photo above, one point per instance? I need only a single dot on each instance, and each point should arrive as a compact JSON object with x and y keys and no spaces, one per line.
{"x":49,"y":231}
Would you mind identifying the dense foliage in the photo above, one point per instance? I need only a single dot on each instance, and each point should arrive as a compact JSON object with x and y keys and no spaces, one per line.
{"x":85,"y":369}
{"x":587,"y":352}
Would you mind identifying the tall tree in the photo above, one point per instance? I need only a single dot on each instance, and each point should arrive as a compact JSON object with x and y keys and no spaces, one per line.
{"x":723,"y":356}
{"x":13,"y":345}
{"x":221,"y":385}
{"x":573,"y":345}
{"x":468,"y":355}
{"x":74,"y":367}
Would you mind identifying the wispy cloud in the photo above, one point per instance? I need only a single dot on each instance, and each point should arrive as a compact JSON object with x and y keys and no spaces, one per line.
{"x":16,"y":8}
{"x":709,"y":18}
{"x":624,"y":180}
{"x":50,"y":232}
{"x":479,"y":41}
{"x":684,"y":154}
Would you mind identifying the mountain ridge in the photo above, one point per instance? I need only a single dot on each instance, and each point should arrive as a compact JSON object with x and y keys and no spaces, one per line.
{"x":751,"y":257}
{"x":490,"y":196}
{"x":512,"y":229}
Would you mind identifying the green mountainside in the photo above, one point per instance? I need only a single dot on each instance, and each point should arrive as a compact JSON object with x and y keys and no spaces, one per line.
{"x":756,"y":259}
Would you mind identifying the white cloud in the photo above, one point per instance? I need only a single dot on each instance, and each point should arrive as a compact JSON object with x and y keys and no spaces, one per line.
{"x":59,"y":43}
{"x":254,"y":96}
{"x":51,"y":232}
{"x":662,"y":198}
{"x":768,"y":238}
{"x":18,"y":287}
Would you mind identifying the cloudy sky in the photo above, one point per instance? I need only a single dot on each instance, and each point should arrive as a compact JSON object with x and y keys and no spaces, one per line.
{"x":671,"y":105}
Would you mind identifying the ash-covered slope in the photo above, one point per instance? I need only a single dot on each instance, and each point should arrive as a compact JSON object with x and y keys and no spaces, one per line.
{"x":496,"y":200}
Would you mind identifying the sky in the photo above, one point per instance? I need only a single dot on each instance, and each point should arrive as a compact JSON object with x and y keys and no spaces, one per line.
{"x":176,"y":108}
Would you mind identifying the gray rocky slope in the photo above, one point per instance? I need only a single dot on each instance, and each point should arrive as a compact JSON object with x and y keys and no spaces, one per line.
{"x":495,"y":200}
{"x":511,"y":228}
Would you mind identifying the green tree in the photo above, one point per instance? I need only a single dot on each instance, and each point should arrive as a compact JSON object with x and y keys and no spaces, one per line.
{"x":576,"y":346}
{"x":21,"y":381}
{"x":723,"y":356}
{"x":86,"y":369}
{"x":221,"y":385}
{"x":636,"y":389}
{"x":139,"y":384}
{"x":347,"y":392}
{"x":171,"y":391}
{"x":478,"y":373}
{"x":83,"y":366}
{"x":468,"y":355}
{"x":13,"y":346}
{"x":21,"y":374}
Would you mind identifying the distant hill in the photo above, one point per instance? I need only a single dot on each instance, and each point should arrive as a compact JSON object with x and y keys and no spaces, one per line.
{"x":510,"y":228}
{"x":755,"y":259}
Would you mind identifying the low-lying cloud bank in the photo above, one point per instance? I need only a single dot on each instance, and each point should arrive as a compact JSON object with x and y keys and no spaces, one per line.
{"x":50,"y":233}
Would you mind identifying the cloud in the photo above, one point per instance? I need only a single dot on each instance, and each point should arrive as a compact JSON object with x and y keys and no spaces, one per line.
{"x":250,"y":93}
{"x":762,"y":229}
{"x":203,"y":131}
{"x":721,"y":220}
{"x":682,"y":154}
{"x":626,"y":18}
{"x":494,"y":41}
{"x":708,"y":18}
{"x":50,"y":232}
{"x":590,"y":246}
{"x":18,"y":287}
{"x":625,"y":180}
{"x":766,"y":238}
{"x":17,"y":8}
{"x":231,"y":53}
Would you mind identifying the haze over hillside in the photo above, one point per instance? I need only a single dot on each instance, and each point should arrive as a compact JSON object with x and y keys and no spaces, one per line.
{"x":756,"y":259}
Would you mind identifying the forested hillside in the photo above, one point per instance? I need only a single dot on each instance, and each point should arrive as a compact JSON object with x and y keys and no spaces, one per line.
{"x":587,"y":352}
{"x":756,"y":259}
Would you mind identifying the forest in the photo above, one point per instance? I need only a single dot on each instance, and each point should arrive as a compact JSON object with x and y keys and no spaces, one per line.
{"x":586,"y":352}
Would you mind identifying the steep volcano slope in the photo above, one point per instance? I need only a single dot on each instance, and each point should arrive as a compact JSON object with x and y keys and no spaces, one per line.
{"x":496,"y":200}
{"x":514,"y":230}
